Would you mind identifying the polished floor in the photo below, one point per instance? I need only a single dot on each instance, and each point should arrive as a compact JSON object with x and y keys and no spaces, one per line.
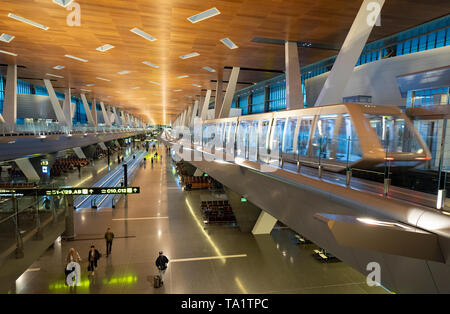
{"x":203,"y":259}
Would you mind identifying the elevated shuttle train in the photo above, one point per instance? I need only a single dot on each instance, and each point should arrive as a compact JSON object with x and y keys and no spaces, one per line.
{"x":338,"y":136}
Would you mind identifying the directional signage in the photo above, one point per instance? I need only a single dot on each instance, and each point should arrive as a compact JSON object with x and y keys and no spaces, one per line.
{"x":70,"y":191}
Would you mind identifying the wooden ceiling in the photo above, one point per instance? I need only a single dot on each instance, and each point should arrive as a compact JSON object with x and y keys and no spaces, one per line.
{"x":109,"y":22}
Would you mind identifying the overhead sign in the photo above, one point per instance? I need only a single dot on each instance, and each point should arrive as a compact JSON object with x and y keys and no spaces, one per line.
{"x":44,"y":162}
{"x":70,"y":191}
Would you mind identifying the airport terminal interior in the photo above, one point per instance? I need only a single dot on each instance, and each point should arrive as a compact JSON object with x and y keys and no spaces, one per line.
{"x":224,"y":147}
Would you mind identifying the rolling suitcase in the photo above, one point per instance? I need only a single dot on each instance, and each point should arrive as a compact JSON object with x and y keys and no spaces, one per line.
{"x":157,"y":281}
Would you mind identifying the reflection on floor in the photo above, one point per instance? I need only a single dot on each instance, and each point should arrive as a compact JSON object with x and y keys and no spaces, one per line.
{"x":204,"y":258}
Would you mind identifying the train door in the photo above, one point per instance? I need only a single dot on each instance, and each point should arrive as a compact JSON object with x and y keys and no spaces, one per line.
{"x":263,"y":140}
{"x":303,"y":138}
{"x":276,"y":145}
{"x":253,"y":141}
{"x":289,"y":136}
{"x":242,"y":139}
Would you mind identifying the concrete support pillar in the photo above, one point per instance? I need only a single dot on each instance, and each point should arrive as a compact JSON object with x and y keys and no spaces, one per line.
{"x":94,"y":112}
{"x":87,"y":110}
{"x":55,"y":103}
{"x":204,"y":111}
{"x":198,"y":173}
{"x":103,"y":146}
{"x":354,"y":43}
{"x":187,"y":121}
{"x":264,"y":224}
{"x":105,"y":115}
{"x":10,"y":103}
{"x":67,"y":108}
{"x":28,"y":170}
{"x":294,"y":97}
{"x":219,"y":93}
{"x":112,"y":117}
{"x":69,"y":233}
{"x":79,"y":152}
{"x":229,"y":94}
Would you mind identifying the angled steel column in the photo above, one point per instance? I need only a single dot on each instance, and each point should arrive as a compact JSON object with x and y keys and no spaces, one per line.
{"x":264,"y":224}
{"x":105,"y":116}
{"x":55,"y":103}
{"x":229,"y":94}
{"x":294,"y":97}
{"x":87,"y":110}
{"x":204,"y":112}
{"x":194,"y":113}
{"x":124,"y":119}
{"x":10,"y":103}
{"x":28,"y":170}
{"x":116,"y":117}
{"x":219,"y":93}
{"x":94,"y":112}
{"x":342,"y":70}
{"x":188,"y":116}
{"x":79,"y":152}
{"x":67,"y":108}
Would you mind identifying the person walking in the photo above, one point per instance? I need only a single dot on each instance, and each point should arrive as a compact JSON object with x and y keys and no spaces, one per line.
{"x":109,"y":236}
{"x":73,"y":269}
{"x":161,"y":264}
{"x":93,"y":256}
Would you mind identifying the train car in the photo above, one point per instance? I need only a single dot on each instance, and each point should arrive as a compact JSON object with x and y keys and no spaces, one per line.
{"x":341,"y":136}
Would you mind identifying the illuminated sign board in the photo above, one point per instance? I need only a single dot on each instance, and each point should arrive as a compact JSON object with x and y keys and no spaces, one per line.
{"x":44,"y":169}
{"x":70,"y":191}
{"x":44,"y":162}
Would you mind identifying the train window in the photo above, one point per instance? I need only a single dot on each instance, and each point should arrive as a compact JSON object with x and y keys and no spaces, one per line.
{"x":348,"y":146}
{"x":289,"y":136}
{"x":262,"y":141}
{"x":277,"y":139}
{"x":219,"y":132}
{"x":242,"y":139}
{"x":253,"y":141}
{"x":323,"y":137}
{"x":209,"y":131}
{"x":225,"y":133}
{"x":303,"y":135}
{"x":230,"y":138}
{"x":394,"y":133}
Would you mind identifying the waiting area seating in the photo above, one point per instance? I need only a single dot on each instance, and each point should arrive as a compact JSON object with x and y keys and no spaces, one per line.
{"x":17,"y":185}
{"x":301,"y":240}
{"x":217,"y":211}
{"x":63,"y":165}
{"x":324,"y":256}
{"x":192,"y":182}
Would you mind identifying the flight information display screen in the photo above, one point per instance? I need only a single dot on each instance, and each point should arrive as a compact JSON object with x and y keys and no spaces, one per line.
{"x":70,"y":191}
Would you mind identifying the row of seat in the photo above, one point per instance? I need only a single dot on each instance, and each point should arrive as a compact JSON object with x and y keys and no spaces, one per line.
{"x":192,"y":182}
{"x":63,"y":165}
{"x":17,"y":185}
{"x":217,"y":213}
{"x":219,"y":203}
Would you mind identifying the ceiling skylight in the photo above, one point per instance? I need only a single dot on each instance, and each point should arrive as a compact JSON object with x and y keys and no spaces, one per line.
{"x":141,"y":33}
{"x":105,"y":48}
{"x":156,"y":83}
{"x":63,"y":3}
{"x":177,"y":90}
{"x":103,"y":79}
{"x":27,"y":21}
{"x":196,"y":85}
{"x":182,"y":76}
{"x":85,"y":90}
{"x":6,"y":38}
{"x":75,"y":58}
{"x":136,"y":87}
{"x":59,"y":76}
{"x":59,"y":67}
{"x":123,"y":72}
{"x":90,"y":85}
{"x":150,"y":64}
{"x":204,"y":15}
{"x":8,"y":53}
{"x":209,"y":69}
{"x":227,"y":42}
{"x":190,"y":55}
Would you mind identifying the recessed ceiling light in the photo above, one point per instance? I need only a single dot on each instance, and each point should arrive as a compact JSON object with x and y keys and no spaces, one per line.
{"x":227,"y":42}
{"x":190,"y":55}
{"x":109,"y":96}
{"x":103,"y":79}
{"x":105,"y":48}
{"x":150,"y":64}
{"x":123,"y":72}
{"x":29,"y":22}
{"x":75,"y":58}
{"x":209,"y":69}
{"x":89,"y":85}
{"x":137,"y":31}
{"x":58,"y":67}
{"x":6,"y":38}
{"x":63,"y":3}
{"x":196,"y":85}
{"x":177,"y":90}
{"x":156,"y":83}
{"x":182,"y":76}
{"x":136,"y":87}
{"x":8,"y":53}
{"x":204,"y":15}
{"x":59,"y":76}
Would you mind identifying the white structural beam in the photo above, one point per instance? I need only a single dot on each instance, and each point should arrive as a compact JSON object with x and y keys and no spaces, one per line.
{"x":103,"y":146}
{"x":105,"y":116}
{"x":10,"y":103}
{"x":116,"y":117}
{"x":204,"y":112}
{"x":27,"y":168}
{"x":112,"y":117}
{"x":188,"y":116}
{"x":79,"y":152}
{"x":229,"y":94}
{"x":264,"y":224}
{"x":294,"y":97}
{"x":87,"y":110}
{"x":194,"y":113}
{"x":94,"y":112}
{"x":67,"y":108}
{"x":55,"y":103}
{"x":124,"y":119}
{"x":219,"y":94}
{"x":354,"y":43}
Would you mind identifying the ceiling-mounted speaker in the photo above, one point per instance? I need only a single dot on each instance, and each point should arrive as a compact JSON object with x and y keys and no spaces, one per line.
{"x":63,"y":3}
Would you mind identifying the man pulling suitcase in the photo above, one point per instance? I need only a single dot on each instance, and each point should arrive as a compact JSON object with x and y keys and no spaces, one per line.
{"x":161,"y":264}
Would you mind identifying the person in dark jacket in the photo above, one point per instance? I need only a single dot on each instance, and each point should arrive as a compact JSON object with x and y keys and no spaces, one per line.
{"x":109,"y":236}
{"x":161,"y":264}
{"x":93,"y":257}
